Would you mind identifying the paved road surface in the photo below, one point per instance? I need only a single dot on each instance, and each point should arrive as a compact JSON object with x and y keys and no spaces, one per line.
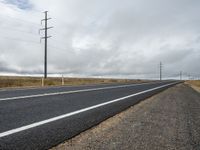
{"x":43,"y":118}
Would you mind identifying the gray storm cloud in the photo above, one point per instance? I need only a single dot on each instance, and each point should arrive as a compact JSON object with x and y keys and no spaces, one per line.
{"x":102,"y":38}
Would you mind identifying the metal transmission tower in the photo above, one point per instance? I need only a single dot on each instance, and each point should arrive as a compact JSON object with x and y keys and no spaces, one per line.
{"x":45,"y":29}
{"x":161,"y":65}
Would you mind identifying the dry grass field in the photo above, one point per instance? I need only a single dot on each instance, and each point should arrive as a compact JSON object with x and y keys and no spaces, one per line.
{"x":195,"y":84}
{"x":8,"y":82}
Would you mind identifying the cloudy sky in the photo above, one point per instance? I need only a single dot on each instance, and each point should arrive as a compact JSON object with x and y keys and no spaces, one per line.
{"x":101,"y":38}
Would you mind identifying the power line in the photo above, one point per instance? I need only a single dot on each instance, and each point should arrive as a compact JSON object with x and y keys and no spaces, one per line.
{"x":55,"y":47}
{"x":33,"y":42}
{"x":46,"y":28}
{"x":21,"y":40}
{"x":18,"y":30}
{"x":20,"y":20}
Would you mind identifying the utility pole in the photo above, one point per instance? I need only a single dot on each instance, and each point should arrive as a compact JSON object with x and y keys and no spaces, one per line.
{"x":189,"y":77}
{"x":46,"y":28}
{"x":161,"y":70}
{"x":181,"y":75}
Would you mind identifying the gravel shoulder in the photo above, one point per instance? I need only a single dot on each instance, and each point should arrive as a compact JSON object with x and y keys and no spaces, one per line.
{"x":169,"y":120}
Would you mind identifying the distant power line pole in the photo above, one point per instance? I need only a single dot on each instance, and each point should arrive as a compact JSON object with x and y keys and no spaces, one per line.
{"x":189,"y":77}
{"x":161,"y":65}
{"x":45,"y":39}
{"x":181,"y":74}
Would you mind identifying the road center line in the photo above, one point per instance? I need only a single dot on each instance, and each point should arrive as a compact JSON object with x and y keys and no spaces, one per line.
{"x":70,"y":92}
{"x":13,"y":131}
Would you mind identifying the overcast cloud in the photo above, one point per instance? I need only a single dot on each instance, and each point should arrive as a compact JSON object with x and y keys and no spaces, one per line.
{"x":108,"y":38}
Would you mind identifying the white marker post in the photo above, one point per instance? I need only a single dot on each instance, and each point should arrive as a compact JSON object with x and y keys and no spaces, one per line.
{"x":42,"y":82}
{"x":63,"y":80}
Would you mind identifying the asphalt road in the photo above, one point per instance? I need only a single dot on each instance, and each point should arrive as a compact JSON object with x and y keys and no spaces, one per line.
{"x":42,"y":118}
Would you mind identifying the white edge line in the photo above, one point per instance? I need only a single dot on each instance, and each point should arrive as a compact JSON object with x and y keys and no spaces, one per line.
{"x":69,"y":92}
{"x":13,"y":131}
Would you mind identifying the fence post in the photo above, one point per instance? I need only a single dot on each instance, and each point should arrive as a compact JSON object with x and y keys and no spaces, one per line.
{"x":42,"y":82}
{"x":63,"y":80}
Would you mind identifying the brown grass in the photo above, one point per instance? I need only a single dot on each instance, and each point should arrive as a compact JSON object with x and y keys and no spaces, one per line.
{"x":195,"y":84}
{"x":7,"y":82}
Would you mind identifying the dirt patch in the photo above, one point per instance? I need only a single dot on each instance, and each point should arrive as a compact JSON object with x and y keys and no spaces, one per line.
{"x":169,"y":120}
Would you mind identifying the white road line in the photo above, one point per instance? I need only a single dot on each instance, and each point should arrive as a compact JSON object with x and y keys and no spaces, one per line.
{"x":13,"y":131}
{"x":69,"y":92}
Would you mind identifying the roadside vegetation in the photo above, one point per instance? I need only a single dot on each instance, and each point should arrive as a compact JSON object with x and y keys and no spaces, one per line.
{"x":195,"y":84}
{"x":8,"y":82}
